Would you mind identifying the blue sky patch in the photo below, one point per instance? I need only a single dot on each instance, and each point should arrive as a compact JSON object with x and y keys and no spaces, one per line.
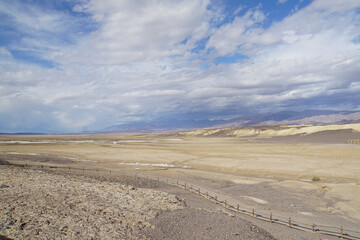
{"x":29,"y":57}
{"x":230,"y":58}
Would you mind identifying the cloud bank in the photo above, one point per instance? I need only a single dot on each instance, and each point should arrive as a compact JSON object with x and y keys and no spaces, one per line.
{"x":85,"y":65}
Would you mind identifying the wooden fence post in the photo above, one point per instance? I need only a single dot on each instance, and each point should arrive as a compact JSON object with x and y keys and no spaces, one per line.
{"x":313,"y":227}
{"x":238,"y":208}
{"x":342,"y":232}
{"x":216,"y":199}
{"x":253,"y":213}
{"x":207,"y":195}
{"x":185,"y":186}
{"x":271,"y":217}
{"x":290,"y":222}
{"x":199,"y":192}
{"x":191,"y":188}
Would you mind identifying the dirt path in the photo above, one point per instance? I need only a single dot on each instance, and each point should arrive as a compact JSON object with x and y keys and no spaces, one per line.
{"x":301,"y":204}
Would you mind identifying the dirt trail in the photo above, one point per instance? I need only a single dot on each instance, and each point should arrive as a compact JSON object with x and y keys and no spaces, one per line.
{"x":265,"y":197}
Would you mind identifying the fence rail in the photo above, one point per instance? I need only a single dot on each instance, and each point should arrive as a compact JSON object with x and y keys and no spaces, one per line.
{"x":339,"y":231}
{"x":354,"y":141}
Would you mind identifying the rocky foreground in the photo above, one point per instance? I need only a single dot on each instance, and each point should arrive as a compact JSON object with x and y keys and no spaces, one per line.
{"x":49,"y":204}
{"x":42,"y":205}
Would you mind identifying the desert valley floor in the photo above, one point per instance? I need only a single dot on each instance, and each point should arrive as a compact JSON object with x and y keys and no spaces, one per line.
{"x":306,"y":173}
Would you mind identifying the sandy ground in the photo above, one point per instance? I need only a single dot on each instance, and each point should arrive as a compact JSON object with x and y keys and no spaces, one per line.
{"x":269,"y":176}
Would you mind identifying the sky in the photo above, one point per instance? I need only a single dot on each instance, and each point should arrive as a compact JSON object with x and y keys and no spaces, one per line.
{"x":81,"y":65}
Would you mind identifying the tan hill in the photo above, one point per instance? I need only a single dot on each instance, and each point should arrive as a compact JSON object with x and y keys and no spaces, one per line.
{"x":336,"y":133}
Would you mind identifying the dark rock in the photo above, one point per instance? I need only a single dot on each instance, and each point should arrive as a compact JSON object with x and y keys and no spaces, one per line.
{"x":5,"y":238}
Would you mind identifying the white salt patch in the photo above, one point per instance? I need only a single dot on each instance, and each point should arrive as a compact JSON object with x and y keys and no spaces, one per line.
{"x":306,"y":213}
{"x":161,"y":165}
{"x":153,"y":165}
{"x":24,"y":142}
{"x":149,"y":140}
{"x":88,"y":141}
{"x":18,"y":153}
{"x":258,"y":200}
{"x":133,"y":141}
{"x":71,"y":158}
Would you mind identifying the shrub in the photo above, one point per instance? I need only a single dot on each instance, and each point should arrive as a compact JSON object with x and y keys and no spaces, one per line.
{"x":315,"y":179}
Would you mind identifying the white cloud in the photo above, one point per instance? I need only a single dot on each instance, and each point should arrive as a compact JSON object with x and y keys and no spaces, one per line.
{"x":29,"y":17}
{"x":132,"y":31}
{"x":293,"y":54}
{"x":138,"y":64}
{"x":70,"y":122}
{"x":153,"y":93}
{"x":228,"y":37}
{"x":5,"y":52}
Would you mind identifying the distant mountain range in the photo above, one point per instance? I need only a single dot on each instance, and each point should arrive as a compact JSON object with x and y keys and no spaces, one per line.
{"x":314,"y":117}
{"x":183,"y":123}
{"x":161,"y":125}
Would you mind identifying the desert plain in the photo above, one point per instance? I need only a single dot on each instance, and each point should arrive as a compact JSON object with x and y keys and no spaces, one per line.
{"x":308,"y":173}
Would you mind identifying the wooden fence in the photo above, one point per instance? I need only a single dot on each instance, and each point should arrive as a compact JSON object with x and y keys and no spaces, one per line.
{"x":354,"y":141}
{"x":338,"y":231}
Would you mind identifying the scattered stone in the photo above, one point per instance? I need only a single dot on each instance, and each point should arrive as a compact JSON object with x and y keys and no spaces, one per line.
{"x":47,"y":205}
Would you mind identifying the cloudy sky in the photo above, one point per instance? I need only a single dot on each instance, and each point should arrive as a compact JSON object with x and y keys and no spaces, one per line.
{"x":74,"y":65}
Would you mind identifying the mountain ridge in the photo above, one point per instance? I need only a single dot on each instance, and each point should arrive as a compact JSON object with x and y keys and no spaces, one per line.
{"x":313,"y":117}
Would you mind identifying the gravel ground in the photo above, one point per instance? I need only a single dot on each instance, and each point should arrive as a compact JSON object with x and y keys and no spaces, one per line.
{"x":43,"y":204}
{"x":203,"y":224}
